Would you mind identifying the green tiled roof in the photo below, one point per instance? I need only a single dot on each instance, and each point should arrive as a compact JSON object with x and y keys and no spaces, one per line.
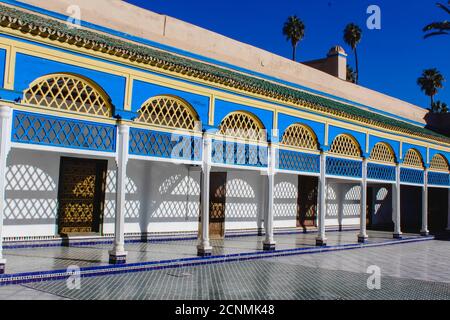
{"x":49,"y":28}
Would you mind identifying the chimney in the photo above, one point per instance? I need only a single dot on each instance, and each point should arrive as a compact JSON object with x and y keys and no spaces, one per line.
{"x":335,"y":63}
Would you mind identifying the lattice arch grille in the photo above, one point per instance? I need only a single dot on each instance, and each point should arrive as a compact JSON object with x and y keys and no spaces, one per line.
{"x":242,"y":125}
{"x":300,"y":136}
{"x":168,"y":111}
{"x":345,"y":145}
{"x":439,"y":163}
{"x":413,"y":159}
{"x":382,"y":152}
{"x":68,"y":92}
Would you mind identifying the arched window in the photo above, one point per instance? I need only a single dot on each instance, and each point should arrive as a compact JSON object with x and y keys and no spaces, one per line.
{"x":68,"y":92}
{"x":382,"y":152}
{"x":242,"y":125}
{"x":301,"y":136}
{"x":168,"y":111}
{"x":413,"y":159}
{"x":345,"y":145}
{"x":439,"y":163}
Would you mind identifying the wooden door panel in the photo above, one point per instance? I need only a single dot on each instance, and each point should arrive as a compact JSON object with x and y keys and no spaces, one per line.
{"x":307,"y":201}
{"x":217,"y":198}
{"x":81,"y":195}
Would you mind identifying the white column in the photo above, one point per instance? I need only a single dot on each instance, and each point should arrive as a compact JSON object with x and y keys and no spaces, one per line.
{"x":321,"y":239}
{"x":118,"y":254}
{"x":362,"y":236}
{"x":396,"y":192}
{"x":269,"y":242}
{"x":424,"y":230}
{"x":204,"y":248}
{"x":5,"y":147}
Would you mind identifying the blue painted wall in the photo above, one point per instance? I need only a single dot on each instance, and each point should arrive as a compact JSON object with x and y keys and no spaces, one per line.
{"x":285,"y":121}
{"x":395,"y":145}
{"x":222,"y":108}
{"x":334,"y":131}
{"x":29,"y":68}
{"x":2,"y":67}
{"x":142,"y":91}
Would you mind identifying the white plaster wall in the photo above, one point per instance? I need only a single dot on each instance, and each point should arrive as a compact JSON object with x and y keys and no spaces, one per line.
{"x":285,"y":200}
{"x":343,"y":204}
{"x":31,"y":194}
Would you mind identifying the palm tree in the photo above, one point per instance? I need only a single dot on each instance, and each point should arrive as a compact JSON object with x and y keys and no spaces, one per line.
{"x":438,"y":28}
{"x":351,"y":75}
{"x":430,"y":81}
{"x":352,"y":36}
{"x":294,"y":30}
{"x":439,"y":107}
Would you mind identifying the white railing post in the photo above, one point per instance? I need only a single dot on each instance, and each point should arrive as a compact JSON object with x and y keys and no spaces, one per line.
{"x":5,"y":147}
{"x":118,"y":254}
{"x":396,"y":204}
{"x":424,"y":230}
{"x":204,"y":247}
{"x":269,"y":242}
{"x":362,"y":236}
{"x":321,"y":239}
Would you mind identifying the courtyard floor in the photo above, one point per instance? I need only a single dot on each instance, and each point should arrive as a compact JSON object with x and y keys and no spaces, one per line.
{"x":21,"y":260}
{"x":418,"y":270}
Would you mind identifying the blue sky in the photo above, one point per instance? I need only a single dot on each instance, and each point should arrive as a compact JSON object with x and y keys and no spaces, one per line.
{"x":391,"y":59}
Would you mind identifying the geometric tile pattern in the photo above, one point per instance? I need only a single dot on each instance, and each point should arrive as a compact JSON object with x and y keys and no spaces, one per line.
{"x":439,"y":163}
{"x":66,"y":92}
{"x":344,"y":167}
{"x":380,"y":172}
{"x":345,"y":145}
{"x":227,"y":152}
{"x":413,"y":159}
{"x":438,"y":178}
{"x":411,"y":175}
{"x":300,"y":136}
{"x":382,"y":152}
{"x":165,"y":145}
{"x":298,"y":161}
{"x":242,"y":125}
{"x":48,"y":130}
{"x":169,"y":112}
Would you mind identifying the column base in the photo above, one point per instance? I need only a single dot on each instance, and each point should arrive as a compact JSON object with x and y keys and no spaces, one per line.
{"x":117,"y":257}
{"x":424,"y":233}
{"x":362,"y":238}
{"x":204,"y":251}
{"x":2,"y":266}
{"x":397,"y":236}
{"x":321,"y":242}
{"x":260,"y":231}
{"x":269,"y":246}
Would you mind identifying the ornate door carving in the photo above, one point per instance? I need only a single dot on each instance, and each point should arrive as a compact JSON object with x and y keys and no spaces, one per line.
{"x":217,"y":197}
{"x":81,"y":195}
{"x":307,"y":201}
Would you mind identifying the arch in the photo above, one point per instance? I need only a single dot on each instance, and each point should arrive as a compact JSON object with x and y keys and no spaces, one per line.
{"x":382,"y":152}
{"x":439,"y":163}
{"x":70,"y":92}
{"x":168,"y":111}
{"x":301,"y":136}
{"x":346,"y":145}
{"x":242,"y":124}
{"x":413,"y":158}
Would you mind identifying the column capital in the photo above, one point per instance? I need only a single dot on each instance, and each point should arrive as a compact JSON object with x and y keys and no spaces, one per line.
{"x":5,"y":112}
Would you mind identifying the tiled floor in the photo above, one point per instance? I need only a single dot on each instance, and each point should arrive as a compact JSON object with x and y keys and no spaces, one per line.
{"x":55,"y":258}
{"x":417,"y":270}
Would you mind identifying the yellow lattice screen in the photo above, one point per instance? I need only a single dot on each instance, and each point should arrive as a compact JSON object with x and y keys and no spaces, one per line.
{"x":300,"y":136}
{"x":413,"y":159}
{"x":242,"y":125}
{"x":168,"y":111}
{"x":346,"y":146}
{"x":382,"y":152}
{"x":439,"y":163}
{"x":67,"y":92}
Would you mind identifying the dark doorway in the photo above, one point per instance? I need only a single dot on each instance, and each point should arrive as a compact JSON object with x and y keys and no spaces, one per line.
{"x":81,"y":195}
{"x":411,"y":209}
{"x":307,"y":201}
{"x":370,"y":206}
{"x":217,"y":197}
{"x":437,"y":210}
